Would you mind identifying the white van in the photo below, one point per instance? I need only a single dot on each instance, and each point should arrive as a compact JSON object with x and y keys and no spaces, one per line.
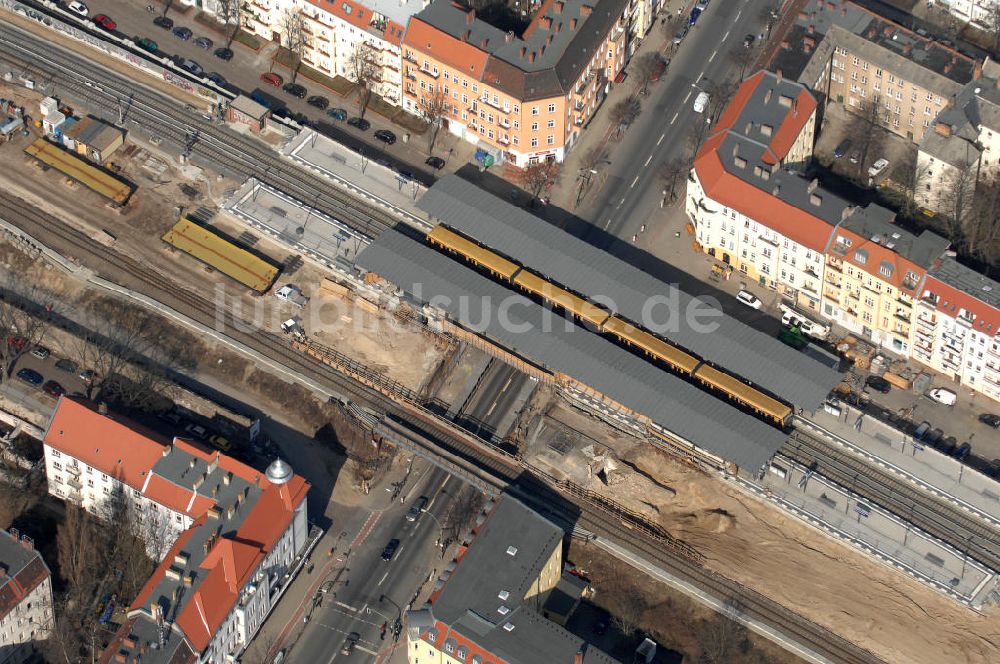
{"x":808,"y":326}
{"x":701,"y":102}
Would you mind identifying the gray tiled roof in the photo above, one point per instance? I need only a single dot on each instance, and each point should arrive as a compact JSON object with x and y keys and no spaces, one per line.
{"x":968,"y":281}
{"x":581,"y":267}
{"x":469,"y":601}
{"x":475,"y":302}
{"x":553,"y":58}
{"x":875,"y":221}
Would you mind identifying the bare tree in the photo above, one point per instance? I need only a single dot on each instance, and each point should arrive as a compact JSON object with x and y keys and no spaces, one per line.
{"x":719,"y":96}
{"x":77,"y":556}
{"x":670,"y":172}
{"x":16,"y":500}
{"x":911,"y":177}
{"x":131,"y":354}
{"x":230,"y":13}
{"x":24,"y":321}
{"x":462,"y":512}
{"x":865,"y":125}
{"x":629,"y":602}
{"x":366,"y":71}
{"x":433,"y":108}
{"x":956,"y":201}
{"x":291,"y":29}
{"x":645,"y":66}
{"x":982,"y":226}
{"x":588,"y":168}
{"x":722,"y":638}
{"x":625,"y":112}
{"x":742,"y":57}
{"x":991,"y":19}
{"x":539,"y":177}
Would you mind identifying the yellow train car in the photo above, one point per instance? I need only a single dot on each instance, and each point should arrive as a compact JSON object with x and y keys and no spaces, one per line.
{"x":451,"y":241}
{"x":679,"y":360}
{"x":772,"y":409}
{"x":549,"y":292}
{"x":81,"y":170}
{"x":220,"y":254}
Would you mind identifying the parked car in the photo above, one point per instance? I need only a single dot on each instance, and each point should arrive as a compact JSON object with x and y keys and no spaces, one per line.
{"x":990,"y":420}
{"x":53,"y":388}
{"x":224,"y":53}
{"x":203,"y":42}
{"x":963,"y":451}
{"x":69,"y":366}
{"x":271,"y":79}
{"x":219,"y":443}
{"x":943,"y":396}
{"x":87,"y":376}
{"x":196,"y":430}
{"x":693,"y":17}
{"x":385,"y":136}
{"x":360,"y":123}
{"x":190,"y":66}
{"x":295,"y":90}
{"x":437,"y":163}
{"x":146,"y":44}
{"x":318,"y":101}
{"x":78,"y":8}
{"x":183,"y":33}
{"x":749,"y":299}
{"x":748,"y":41}
{"x":855,"y":157}
{"x":337,"y":114}
{"x":681,"y":34}
{"x":105,"y":22}
{"x":993,"y":469}
{"x":163,"y":22}
{"x":41,"y":352}
{"x":218,"y":79}
{"x":878,"y":384}
{"x":390,"y":550}
{"x":876,"y":169}
{"x":349,"y":643}
{"x":701,"y":102}
{"x":416,"y":509}
{"x":842,"y":148}
{"x":30,"y":376}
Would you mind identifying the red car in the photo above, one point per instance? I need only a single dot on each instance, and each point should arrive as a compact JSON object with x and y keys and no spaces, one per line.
{"x":105,"y":22}
{"x":53,"y":388}
{"x":272,"y":79}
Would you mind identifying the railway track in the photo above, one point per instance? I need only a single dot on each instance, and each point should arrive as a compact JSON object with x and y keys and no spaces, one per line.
{"x":162,"y":116}
{"x":946,"y":522}
{"x":480,"y":457}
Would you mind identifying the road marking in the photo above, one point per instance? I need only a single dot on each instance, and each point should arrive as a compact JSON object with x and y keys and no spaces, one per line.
{"x":674,"y":119}
{"x":688,"y":95}
{"x":661,"y":138}
{"x":738,"y":15}
{"x":701,"y":75}
{"x":382,"y":580}
{"x":633,"y":183}
{"x":648,"y":159}
{"x":607,"y":224}
{"x":622,"y":201}
{"x":367,"y":650}
{"x":726,"y":36}
{"x":346,"y":606}
{"x":366,"y":529}
{"x":437,"y":492}
{"x":714,"y":53}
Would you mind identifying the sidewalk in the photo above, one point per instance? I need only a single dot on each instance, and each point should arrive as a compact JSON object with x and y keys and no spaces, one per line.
{"x":597,"y":132}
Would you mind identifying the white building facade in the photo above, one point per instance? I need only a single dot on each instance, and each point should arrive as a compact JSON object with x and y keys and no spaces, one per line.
{"x":26,"y":606}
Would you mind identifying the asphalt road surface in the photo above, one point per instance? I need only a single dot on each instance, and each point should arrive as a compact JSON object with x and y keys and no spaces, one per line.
{"x":493,"y":398}
{"x":367,"y":591}
{"x":633,"y":190}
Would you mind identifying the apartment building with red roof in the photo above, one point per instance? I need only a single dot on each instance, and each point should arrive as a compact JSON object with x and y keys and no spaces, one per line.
{"x":336,"y":33}
{"x":25,"y":598}
{"x":520,"y":98}
{"x":227,"y":533}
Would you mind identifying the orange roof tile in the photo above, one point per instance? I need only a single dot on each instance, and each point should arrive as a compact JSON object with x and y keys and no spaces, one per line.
{"x":124,"y":452}
{"x":950,"y":300}
{"x":360,"y":16}
{"x":729,"y":190}
{"x":272,"y":513}
{"x":444,"y":48}
{"x":877,"y":254}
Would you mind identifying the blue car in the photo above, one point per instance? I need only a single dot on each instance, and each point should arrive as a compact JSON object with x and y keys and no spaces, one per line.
{"x":30,"y":376}
{"x":695,"y":13}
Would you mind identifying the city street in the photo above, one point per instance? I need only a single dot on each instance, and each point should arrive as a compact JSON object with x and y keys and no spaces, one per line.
{"x":362,"y":590}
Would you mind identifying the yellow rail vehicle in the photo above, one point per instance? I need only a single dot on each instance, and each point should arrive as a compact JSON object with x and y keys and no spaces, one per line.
{"x":453,"y":242}
{"x":678,"y":360}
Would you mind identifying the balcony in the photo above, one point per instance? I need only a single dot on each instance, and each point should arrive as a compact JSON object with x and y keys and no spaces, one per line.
{"x":925,"y":334}
{"x":902,"y":315}
{"x":835,"y":265}
{"x":430,"y":73}
{"x":75,"y":483}
{"x":922,"y":354}
{"x":854,"y":295}
{"x":927,"y":322}
{"x":904,"y":302}
{"x":504,"y":122}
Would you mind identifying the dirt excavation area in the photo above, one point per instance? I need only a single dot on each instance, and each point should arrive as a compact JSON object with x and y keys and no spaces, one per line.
{"x":757,"y":544}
